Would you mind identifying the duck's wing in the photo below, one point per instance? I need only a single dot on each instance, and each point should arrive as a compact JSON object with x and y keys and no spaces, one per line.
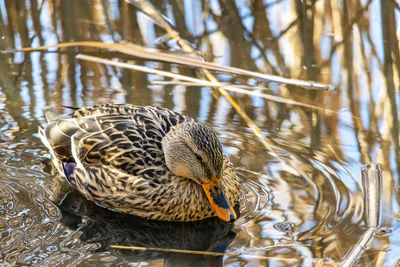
{"x":121,"y":142}
{"x":124,"y":137}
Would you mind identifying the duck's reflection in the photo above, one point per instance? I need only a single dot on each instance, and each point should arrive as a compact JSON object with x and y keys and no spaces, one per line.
{"x":106,"y":228}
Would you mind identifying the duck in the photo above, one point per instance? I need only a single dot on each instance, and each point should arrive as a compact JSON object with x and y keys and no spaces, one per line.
{"x":148,"y":161}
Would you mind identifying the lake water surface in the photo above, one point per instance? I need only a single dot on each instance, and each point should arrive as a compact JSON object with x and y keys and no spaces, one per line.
{"x":303,"y":201}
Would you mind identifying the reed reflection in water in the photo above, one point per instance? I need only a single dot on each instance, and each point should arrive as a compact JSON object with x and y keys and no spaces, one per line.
{"x":304,"y":202}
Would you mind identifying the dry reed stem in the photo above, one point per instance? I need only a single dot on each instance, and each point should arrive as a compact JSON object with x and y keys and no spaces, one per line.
{"x":360,"y":247}
{"x":157,"y":55}
{"x":192,"y":84}
{"x":372,"y":178}
{"x":204,"y":253}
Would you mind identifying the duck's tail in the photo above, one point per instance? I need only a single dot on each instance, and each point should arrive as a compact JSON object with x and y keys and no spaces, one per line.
{"x":51,"y":114}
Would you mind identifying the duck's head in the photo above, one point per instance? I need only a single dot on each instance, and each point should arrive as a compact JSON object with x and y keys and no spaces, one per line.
{"x":192,"y":150}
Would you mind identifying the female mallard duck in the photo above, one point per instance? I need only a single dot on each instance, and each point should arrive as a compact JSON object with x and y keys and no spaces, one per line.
{"x":147,"y":161}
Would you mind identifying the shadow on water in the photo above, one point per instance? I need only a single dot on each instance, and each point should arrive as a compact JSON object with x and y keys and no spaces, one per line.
{"x":302,"y":202}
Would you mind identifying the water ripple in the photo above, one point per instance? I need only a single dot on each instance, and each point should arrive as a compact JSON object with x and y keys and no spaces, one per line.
{"x":304,"y":194}
{"x":254,"y":197}
{"x":29,"y":223}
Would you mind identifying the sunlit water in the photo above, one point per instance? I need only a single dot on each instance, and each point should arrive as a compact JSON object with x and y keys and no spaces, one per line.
{"x":302,"y":199}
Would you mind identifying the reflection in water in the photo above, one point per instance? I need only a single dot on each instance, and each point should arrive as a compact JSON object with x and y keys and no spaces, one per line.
{"x":302,"y":202}
{"x":104,"y":228}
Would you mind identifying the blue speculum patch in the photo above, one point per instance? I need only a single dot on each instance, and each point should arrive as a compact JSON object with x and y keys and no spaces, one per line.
{"x":68,"y":168}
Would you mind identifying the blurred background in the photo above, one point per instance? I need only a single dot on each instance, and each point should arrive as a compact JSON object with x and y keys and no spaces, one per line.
{"x":301,"y":203}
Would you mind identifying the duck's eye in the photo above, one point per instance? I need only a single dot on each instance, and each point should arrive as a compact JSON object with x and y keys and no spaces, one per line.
{"x":199,"y":157}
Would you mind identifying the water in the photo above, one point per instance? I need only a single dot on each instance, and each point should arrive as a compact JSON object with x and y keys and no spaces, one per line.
{"x":302,"y":200}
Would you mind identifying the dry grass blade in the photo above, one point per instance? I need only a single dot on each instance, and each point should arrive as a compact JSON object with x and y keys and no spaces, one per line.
{"x":204,"y":253}
{"x":153,"y":54}
{"x":199,"y":82}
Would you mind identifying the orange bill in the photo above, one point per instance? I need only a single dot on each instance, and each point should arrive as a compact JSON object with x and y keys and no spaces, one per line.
{"x":218,"y":201}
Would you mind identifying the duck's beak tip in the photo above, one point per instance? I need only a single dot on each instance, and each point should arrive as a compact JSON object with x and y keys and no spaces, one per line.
{"x":218,"y":202}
